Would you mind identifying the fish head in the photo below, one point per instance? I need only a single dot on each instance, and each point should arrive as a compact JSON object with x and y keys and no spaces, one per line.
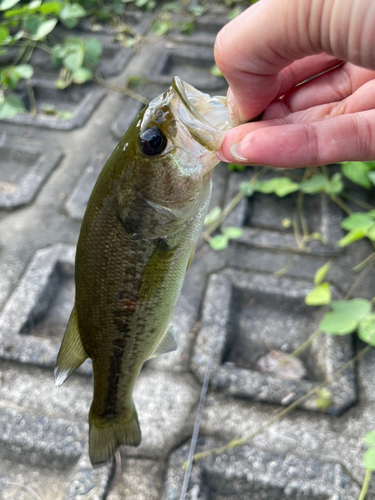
{"x":174,"y":143}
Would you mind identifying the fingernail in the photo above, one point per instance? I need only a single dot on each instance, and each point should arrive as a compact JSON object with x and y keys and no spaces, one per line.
{"x":235,"y":151}
{"x":233,"y":113}
{"x":222,"y":157}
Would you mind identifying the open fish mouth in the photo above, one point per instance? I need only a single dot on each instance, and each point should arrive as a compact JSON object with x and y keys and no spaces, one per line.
{"x":205,"y":117}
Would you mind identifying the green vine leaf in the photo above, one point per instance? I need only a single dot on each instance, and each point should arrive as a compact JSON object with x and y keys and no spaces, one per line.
{"x":12,"y":106}
{"x":357,"y":172}
{"x":335,"y":184}
{"x":366,"y":330}
{"x":359,"y":220}
{"x":316,"y":184}
{"x":74,"y":59}
{"x":161,"y":27}
{"x":232,"y":167}
{"x":8,"y":4}
{"x":281,"y":186}
{"x":82,"y":75}
{"x":321,"y":273}
{"x":345,"y":316}
{"x":247,"y":188}
{"x":324,"y":399}
{"x":24,"y":70}
{"x":370,"y":438}
{"x":354,"y":235}
{"x":369,"y":459}
{"x":44,"y":29}
{"x":232,"y":233}
{"x":70,"y":14}
{"x":215,"y":71}
{"x":212,"y":216}
{"x":234,"y":13}
{"x":219,"y":242}
{"x":319,"y":295}
{"x":93,"y":50}
{"x":4,"y":35}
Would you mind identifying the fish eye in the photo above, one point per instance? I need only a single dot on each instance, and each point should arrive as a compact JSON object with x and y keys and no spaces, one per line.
{"x":152,"y":141}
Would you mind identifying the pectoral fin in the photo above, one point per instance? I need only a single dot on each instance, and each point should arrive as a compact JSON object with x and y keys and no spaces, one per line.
{"x":156,"y":270}
{"x":168,"y":343}
{"x":72,"y":353}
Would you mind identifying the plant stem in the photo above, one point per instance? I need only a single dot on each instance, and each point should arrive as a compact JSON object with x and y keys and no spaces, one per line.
{"x":239,"y":442}
{"x":301,"y":215}
{"x":360,"y":203}
{"x":341,"y":204}
{"x":286,"y":268}
{"x":122,"y":90}
{"x":30,"y":93}
{"x":297,"y":234}
{"x":359,"y":279}
{"x":365,"y":485}
{"x":227,"y":210}
{"x":364,"y":262}
{"x":300,"y":349}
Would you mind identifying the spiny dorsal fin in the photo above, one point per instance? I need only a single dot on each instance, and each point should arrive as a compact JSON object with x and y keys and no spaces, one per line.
{"x":72,"y":353}
{"x":168,"y":343}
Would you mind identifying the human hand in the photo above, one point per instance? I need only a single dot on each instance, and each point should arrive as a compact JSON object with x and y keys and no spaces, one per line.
{"x":326,"y":120}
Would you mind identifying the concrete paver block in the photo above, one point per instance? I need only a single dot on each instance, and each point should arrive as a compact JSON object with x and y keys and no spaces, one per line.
{"x":23,"y":170}
{"x":248,"y":315}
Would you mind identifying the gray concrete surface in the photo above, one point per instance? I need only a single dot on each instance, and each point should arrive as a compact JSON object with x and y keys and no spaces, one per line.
{"x":49,"y":168}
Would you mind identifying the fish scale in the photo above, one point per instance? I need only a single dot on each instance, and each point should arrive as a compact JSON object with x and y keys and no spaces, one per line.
{"x":137,"y":239}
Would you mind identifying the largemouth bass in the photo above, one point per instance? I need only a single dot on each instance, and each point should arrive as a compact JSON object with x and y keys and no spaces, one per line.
{"x":136,"y":243}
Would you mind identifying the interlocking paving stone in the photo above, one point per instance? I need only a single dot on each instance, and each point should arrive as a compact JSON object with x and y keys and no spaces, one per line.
{"x":261,"y":217}
{"x":21,"y":482}
{"x":165,"y":404}
{"x":126,"y":117}
{"x":77,"y":201}
{"x":38,"y":439}
{"x":32,"y":441}
{"x":87,"y":483}
{"x":244,"y":314}
{"x":205,"y":30}
{"x":139,"y":22}
{"x":250,"y":472}
{"x":192,"y":64}
{"x":140,"y":479}
{"x":80,"y":101}
{"x":23,"y":170}
{"x":33,"y":333}
{"x":113,"y":60}
{"x":43,"y":443}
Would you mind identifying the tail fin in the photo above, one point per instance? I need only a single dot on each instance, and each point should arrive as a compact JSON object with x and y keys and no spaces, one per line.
{"x":72,"y":353}
{"x":106,"y":436}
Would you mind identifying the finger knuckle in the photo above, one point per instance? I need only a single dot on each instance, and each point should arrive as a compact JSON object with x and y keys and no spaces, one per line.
{"x":312,"y":140}
{"x":221,"y":50}
{"x":364,"y":134}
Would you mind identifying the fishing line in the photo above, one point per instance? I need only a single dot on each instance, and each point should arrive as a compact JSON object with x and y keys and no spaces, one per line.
{"x":198,"y":419}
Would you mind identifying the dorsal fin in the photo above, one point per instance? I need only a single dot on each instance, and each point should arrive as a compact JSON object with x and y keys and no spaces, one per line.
{"x":168,"y":343}
{"x":72,"y":353}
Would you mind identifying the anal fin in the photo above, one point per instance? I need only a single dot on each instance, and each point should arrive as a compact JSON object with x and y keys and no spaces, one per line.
{"x":72,"y":353}
{"x":168,"y":343}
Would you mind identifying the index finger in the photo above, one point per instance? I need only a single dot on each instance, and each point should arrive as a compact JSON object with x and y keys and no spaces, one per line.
{"x":256,"y":51}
